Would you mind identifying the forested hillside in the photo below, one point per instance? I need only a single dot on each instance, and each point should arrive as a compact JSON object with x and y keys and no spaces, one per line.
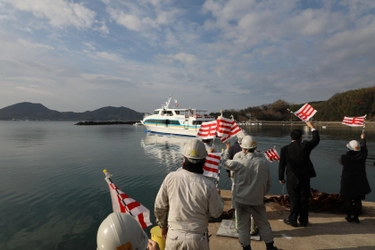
{"x":351,"y":103}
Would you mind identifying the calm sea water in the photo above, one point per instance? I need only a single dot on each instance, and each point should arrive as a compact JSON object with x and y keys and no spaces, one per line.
{"x":52,"y":189}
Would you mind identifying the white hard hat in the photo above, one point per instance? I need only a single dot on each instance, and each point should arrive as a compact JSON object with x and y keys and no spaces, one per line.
{"x":248,"y":142}
{"x":353,"y":145}
{"x":195,"y":150}
{"x":121,"y":230}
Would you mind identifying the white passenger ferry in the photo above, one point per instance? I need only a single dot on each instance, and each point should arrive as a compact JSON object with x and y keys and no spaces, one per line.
{"x":175,"y":121}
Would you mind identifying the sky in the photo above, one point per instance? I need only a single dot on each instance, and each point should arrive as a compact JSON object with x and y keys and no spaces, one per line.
{"x":73,"y":55}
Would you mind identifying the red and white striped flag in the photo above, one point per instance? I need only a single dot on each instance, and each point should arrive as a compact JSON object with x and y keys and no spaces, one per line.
{"x":358,"y":121}
{"x":305,"y":112}
{"x":211,"y":167}
{"x":234,"y":130}
{"x":226,"y":128}
{"x":122,"y":203}
{"x":207,"y":130}
{"x":272,"y":155}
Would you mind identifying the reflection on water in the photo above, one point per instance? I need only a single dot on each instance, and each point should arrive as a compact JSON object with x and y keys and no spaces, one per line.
{"x":167,"y":150}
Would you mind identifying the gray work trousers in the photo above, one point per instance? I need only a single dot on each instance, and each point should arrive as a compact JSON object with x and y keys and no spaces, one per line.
{"x":244,"y":213}
{"x":177,"y":240}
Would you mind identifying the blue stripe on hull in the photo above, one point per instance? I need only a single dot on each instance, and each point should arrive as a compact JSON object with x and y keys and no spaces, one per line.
{"x":161,"y":133}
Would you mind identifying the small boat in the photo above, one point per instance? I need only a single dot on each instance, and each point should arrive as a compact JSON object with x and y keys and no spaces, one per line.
{"x":137,"y":123}
{"x":176,"y":121}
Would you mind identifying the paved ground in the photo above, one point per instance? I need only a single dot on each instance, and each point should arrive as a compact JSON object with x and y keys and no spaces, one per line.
{"x":324,"y":232}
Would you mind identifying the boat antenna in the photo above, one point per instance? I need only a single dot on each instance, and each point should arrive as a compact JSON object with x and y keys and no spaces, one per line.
{"x":166,"y":105}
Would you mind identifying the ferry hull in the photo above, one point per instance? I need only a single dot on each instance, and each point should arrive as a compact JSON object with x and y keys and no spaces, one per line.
{"x":168,"y":130}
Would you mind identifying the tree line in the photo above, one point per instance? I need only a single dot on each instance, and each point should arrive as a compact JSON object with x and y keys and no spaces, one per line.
{"x":351,"y":103}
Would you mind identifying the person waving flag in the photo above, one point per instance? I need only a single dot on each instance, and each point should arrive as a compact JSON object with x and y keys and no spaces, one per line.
{"x":122,"y":203}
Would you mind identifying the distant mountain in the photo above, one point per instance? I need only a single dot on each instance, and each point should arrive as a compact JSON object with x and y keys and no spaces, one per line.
{"x":38,"y":112}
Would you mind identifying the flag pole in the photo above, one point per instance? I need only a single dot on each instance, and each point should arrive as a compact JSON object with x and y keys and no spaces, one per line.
{"x":291,"y":119}
{"x":293,"y":114}
{"x":363,"y":130}
{"x":107,"y":176}
{"x":219,"y":167}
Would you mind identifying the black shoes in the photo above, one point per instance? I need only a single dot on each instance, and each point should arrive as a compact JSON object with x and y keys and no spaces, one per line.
{"x":291,"y":223}
{"x":270,"y":246}
{"x":355,"y":219}
{"x":349,"y":219}
{"x":247,"y":248}
{"x":303,"y":224}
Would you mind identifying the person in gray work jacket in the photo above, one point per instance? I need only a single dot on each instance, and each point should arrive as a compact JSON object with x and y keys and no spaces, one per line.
{"x":354,"y":183}
{"x":252,"y":182}
{"x":185,"y":202}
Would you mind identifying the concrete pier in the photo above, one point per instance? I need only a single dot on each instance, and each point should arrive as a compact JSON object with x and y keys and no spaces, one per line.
{"x":325,"y":231}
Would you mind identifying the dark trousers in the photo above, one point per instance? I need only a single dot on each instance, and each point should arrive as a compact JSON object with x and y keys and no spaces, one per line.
{"x":299,"y":194}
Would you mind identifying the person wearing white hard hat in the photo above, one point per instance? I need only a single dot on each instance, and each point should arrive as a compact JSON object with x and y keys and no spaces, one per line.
{"x":185,"y":202}
{"x":354,"y":183}
{"x":252,"y":181}
{"x":234,"y":149}
{"x":123,"y":231}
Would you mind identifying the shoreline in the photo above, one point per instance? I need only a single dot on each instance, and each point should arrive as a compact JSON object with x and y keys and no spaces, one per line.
{"x":335,"y":124}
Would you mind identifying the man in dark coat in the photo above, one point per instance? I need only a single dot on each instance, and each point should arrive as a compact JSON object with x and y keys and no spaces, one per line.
{"x":295,"y":159}
{"x":354,"y":183}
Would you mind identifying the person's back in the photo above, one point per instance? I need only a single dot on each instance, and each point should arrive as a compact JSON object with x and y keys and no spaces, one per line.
{"x":296,"y":163}
{"x":354,"y":184}
{"x":355,"y":161}
{"x":252,"y":178}
{"x":251,"y":183}
{"x":188,"y":194}
{"x":185,"y":202}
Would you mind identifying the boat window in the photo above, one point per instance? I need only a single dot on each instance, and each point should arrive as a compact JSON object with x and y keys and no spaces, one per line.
{"x":177,"y":112}
{"x":161,"y":121}
{"x":197,"y":122}
{"x":156,"y":112}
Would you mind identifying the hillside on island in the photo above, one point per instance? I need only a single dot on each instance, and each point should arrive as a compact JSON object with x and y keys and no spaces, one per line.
{"x":37,"y":112}
{"x":351,"y":103}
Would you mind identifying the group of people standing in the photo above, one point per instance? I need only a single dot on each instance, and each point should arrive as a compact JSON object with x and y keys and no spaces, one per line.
{"x":295,"y":161}
{"x":187,"y":199}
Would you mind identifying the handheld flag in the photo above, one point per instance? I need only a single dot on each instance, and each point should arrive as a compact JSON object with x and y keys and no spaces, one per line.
{"x":122,"y":203}
{"x":358,"y":121}
{"x":211,"y":167}
{"x":272,"y":155}
{"x":226,"y":128}
{"x":305,"y":113}
{"x":207,"y":130}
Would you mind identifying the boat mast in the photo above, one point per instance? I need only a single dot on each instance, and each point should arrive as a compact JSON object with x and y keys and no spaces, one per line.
{"x":166,"y":105}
